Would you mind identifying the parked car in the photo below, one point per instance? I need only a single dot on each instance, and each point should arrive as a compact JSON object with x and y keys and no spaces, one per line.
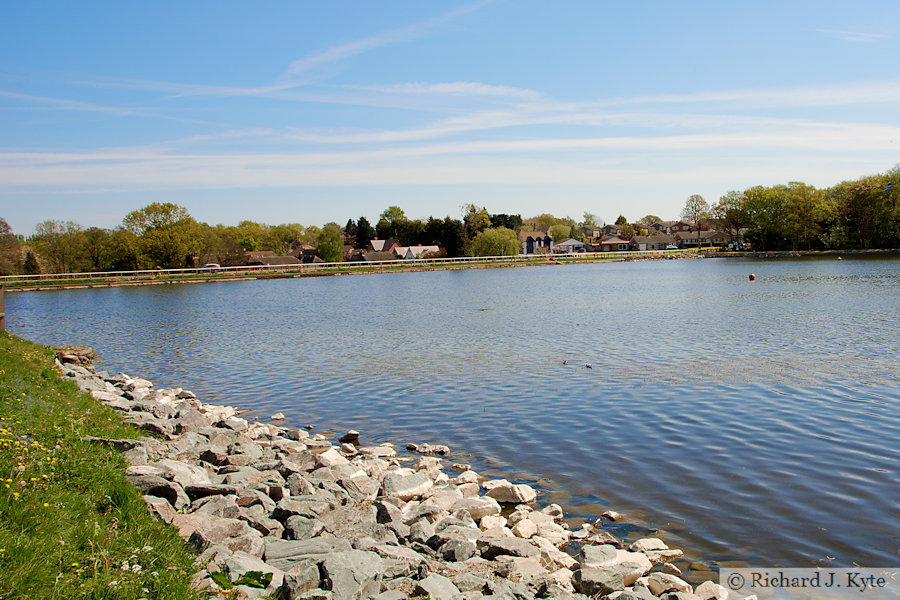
{"x":671,"y":247}
{"x":211,"y":267}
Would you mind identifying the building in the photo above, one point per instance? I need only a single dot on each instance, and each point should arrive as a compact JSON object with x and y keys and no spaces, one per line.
{"x":652,"y":242}
{"x":568,"y":246}
{"x":535,"y":242}
{"x":614,"y":244}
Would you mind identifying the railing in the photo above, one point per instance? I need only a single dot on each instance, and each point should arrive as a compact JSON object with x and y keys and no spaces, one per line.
{"x":300,"y":269}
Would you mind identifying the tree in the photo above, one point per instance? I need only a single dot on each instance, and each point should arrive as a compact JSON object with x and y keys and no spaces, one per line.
{"x":649,"y":220}
{"x":498,"y":241}
{"x":62,"y":244}
{"x":590,"y":220}
{"x":167,"y":232}
{"x":364,"y":233}
{"x":31,"y":266}
{"x":513,"y":222}
{"x":695,"y":211}
{"x":125,"y":249}
{"x":330,"y":243}
{"x":476,"y":220}
{"x":621,"y":220}
{"x":9,"y":249}
{"x":560,"y":232}
{"x":351,"y":231}
{"x":453,"y":237}
{"x":731,"y":215}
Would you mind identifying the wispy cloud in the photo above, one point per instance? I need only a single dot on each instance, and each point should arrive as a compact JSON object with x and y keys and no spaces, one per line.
{"x":456,"y":88}
{"x":378,"y":40}
{"x":854,"y":36}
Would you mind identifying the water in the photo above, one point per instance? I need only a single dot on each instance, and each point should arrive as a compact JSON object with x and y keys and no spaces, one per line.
{"x":747,"y":422}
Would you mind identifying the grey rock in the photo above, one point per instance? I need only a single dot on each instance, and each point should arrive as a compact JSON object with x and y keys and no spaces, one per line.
{"x":283,"y":554}
{"x":597,"y":556}
{"x":241,"y":563}
{"x":218,"y":506}
{"x":406,"y":487}
{"x":469,"y":582}
{"x":352,"y":574}
{"x":257,"y":517}
{"x":153,"y":485}
{"x":593,"y":581}
{"x":421,"y":531}
{"x":457,"y":549}
{"x":305,"y":506}
{"x":210,"y":489}
{"x":491,"y":548}
{"x":350,"y":522}
{"x":303,"y":576}
{"x":298,"y":527}
{"x":437,"y":587}
{"x":298,"y":485}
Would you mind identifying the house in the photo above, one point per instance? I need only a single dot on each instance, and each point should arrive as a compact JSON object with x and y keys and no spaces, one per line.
{"x":568,"y":246}
{"x":535,"y":242}
{"x":269,"y":258}
{"x":590,"y":232}
{"x":382,"y":245}
{"x":378,"y":256}
{"x":412,"y":252}
{"x":711,"y":237}
{"x":614,"y":244}
{"x":652,"y":242}
{"x":659,"y":227}
{"x":609,"y":230}
{"x":680,"y":226}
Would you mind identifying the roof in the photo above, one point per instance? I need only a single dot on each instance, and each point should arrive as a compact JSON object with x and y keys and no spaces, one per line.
{"x":376,"y":256}
{"x":705,"y":235}
{"x":274,"y":260}
{"x":570,"y":242}
{"x":652,"y":239}
{"x":417,"y":251}
{"x":524,"y":235}
{"x":613,"y":240}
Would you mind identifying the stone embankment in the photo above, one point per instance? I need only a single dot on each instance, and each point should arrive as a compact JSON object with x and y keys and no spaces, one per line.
{"x":276,"y":511}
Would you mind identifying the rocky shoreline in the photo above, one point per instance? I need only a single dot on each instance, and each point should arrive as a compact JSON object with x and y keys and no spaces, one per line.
{"x":281,"y":512}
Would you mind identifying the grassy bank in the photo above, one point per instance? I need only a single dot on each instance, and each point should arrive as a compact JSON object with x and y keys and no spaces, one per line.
{"x":70,"y":526}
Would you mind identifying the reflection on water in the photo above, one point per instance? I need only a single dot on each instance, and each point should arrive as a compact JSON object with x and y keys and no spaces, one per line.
{"x":748,"y":421}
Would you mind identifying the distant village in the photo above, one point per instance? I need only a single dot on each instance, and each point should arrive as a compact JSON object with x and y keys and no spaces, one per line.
{"x":659,"y":235}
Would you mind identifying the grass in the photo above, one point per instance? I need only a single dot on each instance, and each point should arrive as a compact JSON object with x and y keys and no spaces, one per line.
{"x":70,"y":525}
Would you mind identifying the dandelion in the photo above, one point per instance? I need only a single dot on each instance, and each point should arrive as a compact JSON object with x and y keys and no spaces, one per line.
{"x":74,"y":564}
{"x":46,"y":505}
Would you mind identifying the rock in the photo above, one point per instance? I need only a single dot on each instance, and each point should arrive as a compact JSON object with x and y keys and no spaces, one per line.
{"x":277,"y":416}
{"x":465,"y":477}
{"x":305,"y":506}
{"x":351,"y":437}
{"x":298,"y":527}
{"x":491,"y":521}
{"x":204,"y":530}
{"x":598,"y":581}
{"x":660,"y":583}
{"x":491,"y":548}
{"x":553,"y":511}
{"x":350,"y":522}
{"x":406,"y":487}
{"x":505,"y":492}
{"x":469,"y":582}
{"x":153,"y":485}
{"x":428,"y":448}
{"x":518,"y":568}
{"x":658,"y":557}
{"x":710,"y":590}
{"x":241,"y":563}
{"x":597,"y":556}
{"x":302,"y":577}
{"x":457,"y":549}
{"x":284,"y":554}
{"x":524,"y":528}
{"x":161,"y":508}
{"x":670,"y":569}
{"x":383,"y":451}
{"x":421,"y":531}
{"x":210,"y":489}
{"x":612,"y":515}
{"x":645,"y":544}
{"x":437,"y":587}
{"x":331,"y":457}
{"x":407,"y":555}
{"x":478,"y":508}
{"x":352,"y":574}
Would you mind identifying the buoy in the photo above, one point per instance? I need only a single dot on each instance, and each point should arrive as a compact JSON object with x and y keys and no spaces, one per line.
{"x":839,"y":258}
{"x":565,"y":362}
{"x":589,"y":366}
{"x":752,"y":277}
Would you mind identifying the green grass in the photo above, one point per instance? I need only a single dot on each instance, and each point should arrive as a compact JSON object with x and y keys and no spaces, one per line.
{"x":69,"y":522}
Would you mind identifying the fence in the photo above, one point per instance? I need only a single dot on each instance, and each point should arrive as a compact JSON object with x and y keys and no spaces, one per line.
{"x":300,"y":269}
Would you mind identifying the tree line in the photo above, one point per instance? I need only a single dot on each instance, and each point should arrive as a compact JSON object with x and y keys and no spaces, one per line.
{"x":857,"y":214}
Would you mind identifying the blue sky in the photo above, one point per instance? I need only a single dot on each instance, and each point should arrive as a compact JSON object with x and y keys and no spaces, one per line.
{"x":317,"y":111}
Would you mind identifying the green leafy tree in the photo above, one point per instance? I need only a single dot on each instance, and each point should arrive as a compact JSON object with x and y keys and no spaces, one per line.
{"x":330,"y":243}
{"x":649,"y":220}
{"x":61,"y":243}
{"x":590,"y":220}
{"x":168,"y":234}
{"x":125,"y":251}
{"x":9,"y":249}
{"x":560,"y":232}
{"x":730,"y":215}
{"x":498,"y":241}
{"x":476,"y":220}
{"x":513,"y":222}
{"x":390,"y":223}
{"x":621,"y":220}
{"x":351,"y":231}
{"x":453,"y":237}
{"x":97,"y":249}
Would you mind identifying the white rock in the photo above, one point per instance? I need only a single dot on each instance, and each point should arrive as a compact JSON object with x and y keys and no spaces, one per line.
{"x":277,"y":417}
{"x":525,"y":528}
{"x":612,"y":515}
{"x":478,"y":508}
{"x":645,"y":544}
{"x":469,"y":490}
{"x":466,"y":477}
{"x":660,"y":583}
{"x":503,"y":491}
{"x":710,"y":590}
{"x":491,"y":521}
{"x":330,"y":458}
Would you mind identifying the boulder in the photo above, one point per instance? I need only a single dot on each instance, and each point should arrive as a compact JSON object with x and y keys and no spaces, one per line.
{"x":298,"y":527}
{"x":519,"y":568}
{"x":598,"y":581}
{"x":491,"y":548}
{"x":478,"y":508}
{"x":597,"y":556}
{"x":284,"y":554}
{"x":660,"y":583}
{"x":505,"y":492}
{"x":437,"y":587}
{"x":645,"y":544}
{"x":406,"y":487}
{"x":352,"y":574}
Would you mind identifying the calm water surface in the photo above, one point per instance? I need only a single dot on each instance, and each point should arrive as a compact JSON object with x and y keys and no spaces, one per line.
{"x":749,"y":422}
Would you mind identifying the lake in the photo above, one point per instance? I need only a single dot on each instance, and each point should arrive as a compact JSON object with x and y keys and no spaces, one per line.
{"x":749,"y":423}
